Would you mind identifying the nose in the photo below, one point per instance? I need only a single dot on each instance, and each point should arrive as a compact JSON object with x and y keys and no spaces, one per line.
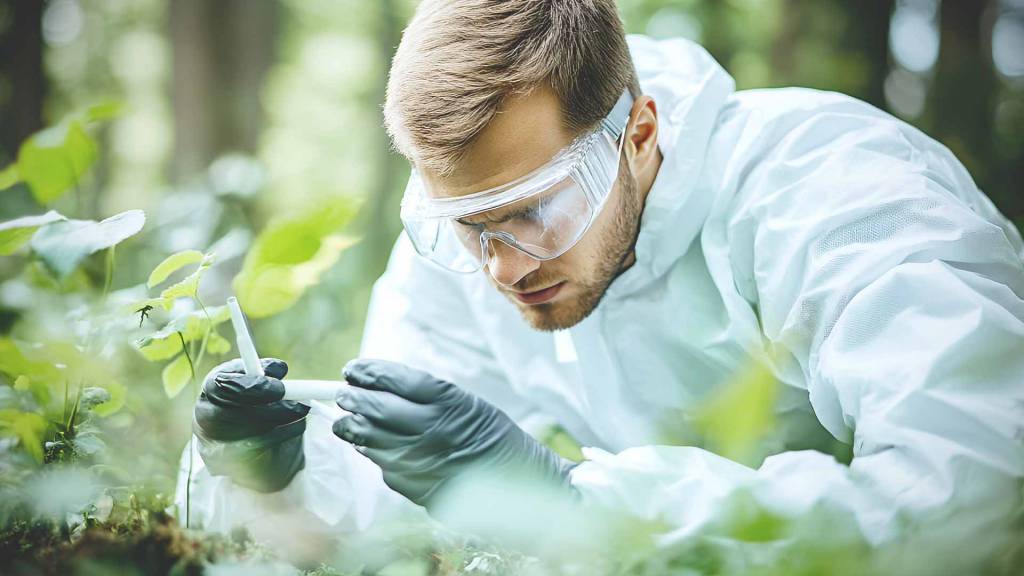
{"x":508,"y":265}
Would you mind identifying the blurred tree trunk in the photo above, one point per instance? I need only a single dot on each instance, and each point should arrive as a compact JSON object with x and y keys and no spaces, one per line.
{"x":22,"y":81}
{"x":868,"y":34}
{"x":717,"y":38}
{"x":961,"y":101}
{"x":859,"y":58}
{"x":380,"y":222}
{"x":791,"y":15}
{"x":222,"y":51}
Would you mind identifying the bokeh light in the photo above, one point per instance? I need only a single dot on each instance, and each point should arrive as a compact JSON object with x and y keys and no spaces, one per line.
{"x":914,"y":34}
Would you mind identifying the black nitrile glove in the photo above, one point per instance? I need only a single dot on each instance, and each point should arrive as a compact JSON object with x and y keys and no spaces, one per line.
{"x":423,"y":431}
{"x":245,"y":430}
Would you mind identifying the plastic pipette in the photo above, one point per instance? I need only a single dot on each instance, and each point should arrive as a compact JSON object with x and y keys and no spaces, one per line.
{"x":246,"y":349}
{"x":317,"y":394}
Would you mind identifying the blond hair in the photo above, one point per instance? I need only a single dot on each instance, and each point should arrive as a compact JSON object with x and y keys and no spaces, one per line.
{"x":459,"y":59}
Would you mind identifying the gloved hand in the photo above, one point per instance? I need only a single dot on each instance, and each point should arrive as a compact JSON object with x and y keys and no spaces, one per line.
{"x":245,"y":430}
{"x":423,"y":431}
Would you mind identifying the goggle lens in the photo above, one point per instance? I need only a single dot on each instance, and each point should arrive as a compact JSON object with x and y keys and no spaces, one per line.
{"x":544,"y":225}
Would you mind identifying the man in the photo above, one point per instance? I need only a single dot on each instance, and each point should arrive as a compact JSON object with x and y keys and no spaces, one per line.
{"x":600,"y":234}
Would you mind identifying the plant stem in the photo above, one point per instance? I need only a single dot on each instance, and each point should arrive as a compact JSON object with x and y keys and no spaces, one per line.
{"x":70,"y":163}
{"x":206,"y":335}
{"x":68,"y":428}
{"x":184,"y":348}
{"x":108,"y":280}
{"x":64,"y":416}
{"x":195,"y":394}
{"x":191,"y":437}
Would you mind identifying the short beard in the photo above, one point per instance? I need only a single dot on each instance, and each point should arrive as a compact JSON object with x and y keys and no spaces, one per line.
{"x":619,"y":240}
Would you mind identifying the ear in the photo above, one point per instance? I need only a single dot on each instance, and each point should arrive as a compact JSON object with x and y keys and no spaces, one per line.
{"x":642,"y":135}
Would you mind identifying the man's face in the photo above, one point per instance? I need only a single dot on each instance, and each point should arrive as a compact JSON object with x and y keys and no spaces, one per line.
{"x":558,"y":293}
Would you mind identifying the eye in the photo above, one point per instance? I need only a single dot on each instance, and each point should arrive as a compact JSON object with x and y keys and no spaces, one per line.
{"x":534,"y":213}
{"x":523,"y":215}
{"x":473,"y":225}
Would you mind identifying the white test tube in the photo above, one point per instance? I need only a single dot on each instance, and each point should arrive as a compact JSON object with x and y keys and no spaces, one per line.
{"x":243,"y":339}
{"x":302,"y":390}
{"x":317,"y":394}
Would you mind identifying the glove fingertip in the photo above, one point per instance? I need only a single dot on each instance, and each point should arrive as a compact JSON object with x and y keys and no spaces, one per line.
{"x":233,"y":366}
{"x":275,"y":367}
{"x":352,"y":369}
{"x":344,"y":398}
{"x":370,"y":373}
{"x":340,"y":427}
{"x":296,"y":407}
{"x":246,"y":389}
{"x":265,"y":390}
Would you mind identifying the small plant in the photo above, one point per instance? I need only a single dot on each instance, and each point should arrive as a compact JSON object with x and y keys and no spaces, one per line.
{"x":58,"y":365}
{"x":60,"y":383}
{"x":186,"y":339}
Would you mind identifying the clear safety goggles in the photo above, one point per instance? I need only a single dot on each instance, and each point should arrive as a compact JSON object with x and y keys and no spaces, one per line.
{"x":543,"y":214}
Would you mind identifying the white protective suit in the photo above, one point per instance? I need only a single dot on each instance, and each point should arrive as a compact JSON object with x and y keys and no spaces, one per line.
{"x":804,"y":226}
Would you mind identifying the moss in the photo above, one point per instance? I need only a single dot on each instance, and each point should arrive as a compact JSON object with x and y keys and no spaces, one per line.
{"x":159,"y":546}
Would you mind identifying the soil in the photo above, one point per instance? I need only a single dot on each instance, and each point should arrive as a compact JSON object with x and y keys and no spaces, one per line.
{"x":158,"y":547}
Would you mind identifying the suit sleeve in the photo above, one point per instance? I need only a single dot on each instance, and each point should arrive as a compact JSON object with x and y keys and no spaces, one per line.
{"x":889,"y":279}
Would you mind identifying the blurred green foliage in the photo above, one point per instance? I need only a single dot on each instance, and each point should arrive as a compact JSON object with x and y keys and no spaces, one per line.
{"x":740,"y":413}
{"x":290,"y":255}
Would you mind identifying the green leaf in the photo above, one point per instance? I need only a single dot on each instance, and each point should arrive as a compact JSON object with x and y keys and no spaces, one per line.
{"x":562,"y":443}
{"x":739,"y":415}
{"x":290,"y":255}
{"x":15,"y":233}
{"x":53,"y":160}
{"x":28,"y":427}
{"x":116,"y":402}
{"x":135,"y":307}
{"x":297,"y":239}
{"x":9,"y":176}
{"x":63,"y":245}
{"x":165,"y":343}
{"x":74,"y":362}
{"x":103,"y":111}
{"x":176,"y":375}
{"x":93,"y":396}
{"x":188,"y":286}
{"x":159,"y":346}
{"x":45,"y":369}
{"x":172,"y":264}
{"x":28,"y":373}
{"x":217,"y":344}
{"x":88,"y":443}
{"x":268,"y":289}
{"x":743,"y":518}
{"x":218,"y":314}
